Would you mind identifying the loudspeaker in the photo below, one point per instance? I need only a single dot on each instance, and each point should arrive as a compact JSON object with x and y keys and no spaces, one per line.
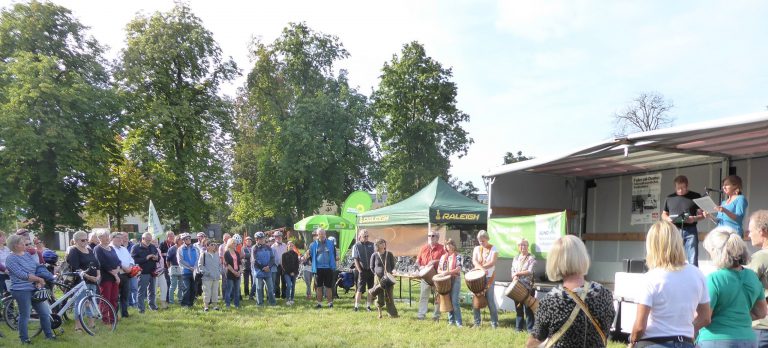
{"x":635,"y":266}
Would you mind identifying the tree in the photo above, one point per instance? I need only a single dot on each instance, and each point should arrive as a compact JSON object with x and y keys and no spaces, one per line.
{"x":646,"y":112}
{"x":511,"y":157}
{"x":468,"y":189}
{"x":123,"y":192}
{"x":170,"y":75}
{"x":303,"y":134}
{"x":417,"y":121}
{"x":57,"y":114}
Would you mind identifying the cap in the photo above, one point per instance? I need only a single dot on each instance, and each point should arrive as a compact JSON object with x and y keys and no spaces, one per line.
{"x":185,"y":236}
{"x":249,"y":238}
{"x":277,"y":234}
{"x":201,"y":235}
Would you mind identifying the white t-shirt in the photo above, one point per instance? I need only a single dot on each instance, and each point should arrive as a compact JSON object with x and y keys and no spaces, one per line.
{"x":124,"y":255}
{"x":673,"y":298}
{"x":485,"y":255}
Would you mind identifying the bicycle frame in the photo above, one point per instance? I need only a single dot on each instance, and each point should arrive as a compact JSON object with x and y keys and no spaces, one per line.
{"x":71,"y":294}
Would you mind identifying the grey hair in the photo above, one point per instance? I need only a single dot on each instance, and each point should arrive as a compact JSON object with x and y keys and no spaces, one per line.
{"x":80,"y":235}
{"x":14,"y":240}
{"x":319,"y":229}
{"x":482,"y":234}
{"x":726,"y":248}
{"x":101,"y":232}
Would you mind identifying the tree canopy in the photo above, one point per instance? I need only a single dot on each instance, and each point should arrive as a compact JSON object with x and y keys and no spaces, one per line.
{"x":646,"y":112}
{"x":418,"y":122}
{"x":169,"y":75}
{"x":57,"y":114}
{"x":303,"y":134}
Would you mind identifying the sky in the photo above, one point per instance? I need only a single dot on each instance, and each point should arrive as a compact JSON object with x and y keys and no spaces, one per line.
{"x":541,"y":77}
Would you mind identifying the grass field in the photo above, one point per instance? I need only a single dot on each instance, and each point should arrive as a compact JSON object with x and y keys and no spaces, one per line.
{"x":298,"y":326}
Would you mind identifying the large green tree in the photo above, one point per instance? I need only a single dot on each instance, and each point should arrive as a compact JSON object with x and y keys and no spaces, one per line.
{"x":170,"y":75}
{"x":124,"y":191}
{"x":57,"y":114}
{"x":304,"y":135}
{"x":418,"y":122}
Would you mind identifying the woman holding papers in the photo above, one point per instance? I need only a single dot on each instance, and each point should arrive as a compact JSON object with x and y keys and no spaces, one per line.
{"x":730,"y":213}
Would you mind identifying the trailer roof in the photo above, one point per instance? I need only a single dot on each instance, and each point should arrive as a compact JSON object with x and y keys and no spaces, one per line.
{"x":737,"y":137}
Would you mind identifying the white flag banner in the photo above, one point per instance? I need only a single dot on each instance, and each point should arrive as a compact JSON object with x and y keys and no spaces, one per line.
{"x":154,"y":225}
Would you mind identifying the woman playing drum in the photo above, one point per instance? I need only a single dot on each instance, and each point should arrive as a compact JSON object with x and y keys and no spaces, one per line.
{"x":522,"y":271}
{"x":451,"y":264}
{"x":484,"y":257}
{"x":382,"y":264}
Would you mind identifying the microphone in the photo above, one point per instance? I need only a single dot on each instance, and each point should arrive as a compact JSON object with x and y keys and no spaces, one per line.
{"x":707,"y":189}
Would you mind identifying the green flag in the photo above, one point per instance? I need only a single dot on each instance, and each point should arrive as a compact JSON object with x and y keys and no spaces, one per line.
{"x":541,"y":231}
{"x":358,"y":202}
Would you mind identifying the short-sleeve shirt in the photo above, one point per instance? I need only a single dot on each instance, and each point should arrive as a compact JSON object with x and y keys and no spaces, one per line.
{"x":79,"y":261}
{"x":485,"y":255}
{"x":676,"y":205}
{"x":323,"y":256}
{"x":732,"y":293}
{"x":524,"y":263}
{"x":673,"y":297}
{"x":362,"y":252}
{"x":759,"y":264}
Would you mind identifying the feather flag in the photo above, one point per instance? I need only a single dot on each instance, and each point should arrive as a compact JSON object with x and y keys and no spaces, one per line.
{"x":153,"y":223}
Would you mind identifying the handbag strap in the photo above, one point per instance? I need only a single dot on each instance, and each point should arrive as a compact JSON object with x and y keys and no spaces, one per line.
{"x":556,"y":337}
{"x":580,"y":302}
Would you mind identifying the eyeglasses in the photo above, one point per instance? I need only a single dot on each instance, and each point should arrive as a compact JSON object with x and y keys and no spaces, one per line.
{"x":83,"y":240}
{"x":28,"y":244}
{"x":431,"y":235}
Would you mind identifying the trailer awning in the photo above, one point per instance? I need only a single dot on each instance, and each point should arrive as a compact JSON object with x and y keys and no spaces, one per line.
{"x":705,"y":142}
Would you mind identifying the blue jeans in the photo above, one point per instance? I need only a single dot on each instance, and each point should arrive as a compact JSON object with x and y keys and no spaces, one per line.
{"x":233,"y":292}
{"x":454,"y":317}
{"x":133,"y":300}
{"x":81,"y":296}
{"x":728,"y":344}
{"x":146,"y":286}
{"x":224,"y":284}
{"x":671,"y":345}
{"x":762,"y":337}
{"x":187,"y":289}
{"x":691,"y":244}
{"x":175,"y":283}
{"x":290,"y":286}
{"x":253,"y":283}
{"x":260,"y":282}
{"x":491,"y":307}
{"x":24,"y":302}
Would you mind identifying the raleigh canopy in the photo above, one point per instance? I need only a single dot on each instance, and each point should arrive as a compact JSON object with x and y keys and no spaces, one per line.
{"x":437,"y":203}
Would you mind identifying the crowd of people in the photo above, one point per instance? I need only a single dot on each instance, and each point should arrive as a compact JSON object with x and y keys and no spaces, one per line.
{"x":677,"y":305}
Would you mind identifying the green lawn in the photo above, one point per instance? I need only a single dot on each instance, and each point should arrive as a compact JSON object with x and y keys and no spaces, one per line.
{"x":299,"y":326}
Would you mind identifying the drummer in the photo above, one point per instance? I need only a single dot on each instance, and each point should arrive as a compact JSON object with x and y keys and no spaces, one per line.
{"x":429,"y":256}
{"x":484,"y":257}
{"x":522,"y":271}
{"x":450,"y":263}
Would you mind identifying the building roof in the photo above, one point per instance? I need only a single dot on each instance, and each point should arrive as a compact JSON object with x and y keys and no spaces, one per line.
{"x":738,"y":137}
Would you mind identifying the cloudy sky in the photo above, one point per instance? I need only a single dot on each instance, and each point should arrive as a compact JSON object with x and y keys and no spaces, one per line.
{"x":542,"y":77}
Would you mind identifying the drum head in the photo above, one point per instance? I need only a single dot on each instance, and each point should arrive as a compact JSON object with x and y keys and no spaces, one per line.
{"x":441,"y":277}
{"x":474,"y":274}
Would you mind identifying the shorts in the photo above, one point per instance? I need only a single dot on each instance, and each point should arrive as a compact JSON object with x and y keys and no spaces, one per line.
{"x":365,"y":280}
{"x":325,"y":278}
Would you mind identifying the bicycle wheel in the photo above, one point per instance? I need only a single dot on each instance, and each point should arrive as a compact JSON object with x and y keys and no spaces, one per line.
{"x":97,"y":315}
{"x":11,"y":314}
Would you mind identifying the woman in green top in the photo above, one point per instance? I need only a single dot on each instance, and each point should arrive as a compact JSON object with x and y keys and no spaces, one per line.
{"x":736,"y":294}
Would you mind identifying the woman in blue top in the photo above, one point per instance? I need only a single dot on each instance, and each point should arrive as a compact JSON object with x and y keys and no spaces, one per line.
{"x":27,"y":275}
{"x":731,"y":211}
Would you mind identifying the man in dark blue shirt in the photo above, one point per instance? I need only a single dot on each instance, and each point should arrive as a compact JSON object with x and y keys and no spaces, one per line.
{"x":684,"y":213}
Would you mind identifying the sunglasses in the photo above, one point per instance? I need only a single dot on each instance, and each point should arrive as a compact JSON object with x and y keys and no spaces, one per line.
{"x":83,"y":240}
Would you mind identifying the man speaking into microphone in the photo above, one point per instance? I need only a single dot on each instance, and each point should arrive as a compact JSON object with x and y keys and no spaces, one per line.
{"x":684,"y":213}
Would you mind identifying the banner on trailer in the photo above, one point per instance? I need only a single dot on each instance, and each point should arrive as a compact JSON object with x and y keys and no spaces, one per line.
{"x":646,"y":190}
{"x":541,"y":232}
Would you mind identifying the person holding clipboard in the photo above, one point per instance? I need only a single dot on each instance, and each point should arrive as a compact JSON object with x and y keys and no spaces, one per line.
{"x":731,"y":211}
{"x":681,"y":210}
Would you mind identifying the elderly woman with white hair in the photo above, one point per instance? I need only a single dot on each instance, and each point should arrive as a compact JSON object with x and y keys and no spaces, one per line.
{"x":736,"y":293}
{"x":576,"y":313}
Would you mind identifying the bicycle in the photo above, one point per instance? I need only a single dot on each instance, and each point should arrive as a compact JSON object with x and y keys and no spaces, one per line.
{"x":96,"y":313}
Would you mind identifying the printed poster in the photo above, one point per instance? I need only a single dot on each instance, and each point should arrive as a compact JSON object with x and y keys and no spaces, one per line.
{"x":646,"y":195}
{"x":541,"y":231}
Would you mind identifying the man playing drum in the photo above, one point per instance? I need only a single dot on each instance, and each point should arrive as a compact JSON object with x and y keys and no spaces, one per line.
{"x":429,"y":256}
{"x":522,"y":271}
{"x":361,"y":253}
{"x":484,"y":257}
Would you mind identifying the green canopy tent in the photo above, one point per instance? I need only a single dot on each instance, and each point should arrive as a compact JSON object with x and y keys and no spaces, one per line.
{"x":437,"y":203}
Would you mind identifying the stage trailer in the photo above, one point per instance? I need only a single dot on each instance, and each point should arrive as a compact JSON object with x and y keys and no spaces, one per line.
{"x":614,"y":190}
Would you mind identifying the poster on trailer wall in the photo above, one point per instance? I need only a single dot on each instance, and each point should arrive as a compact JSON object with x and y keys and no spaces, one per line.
{"x":646,"y":191}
